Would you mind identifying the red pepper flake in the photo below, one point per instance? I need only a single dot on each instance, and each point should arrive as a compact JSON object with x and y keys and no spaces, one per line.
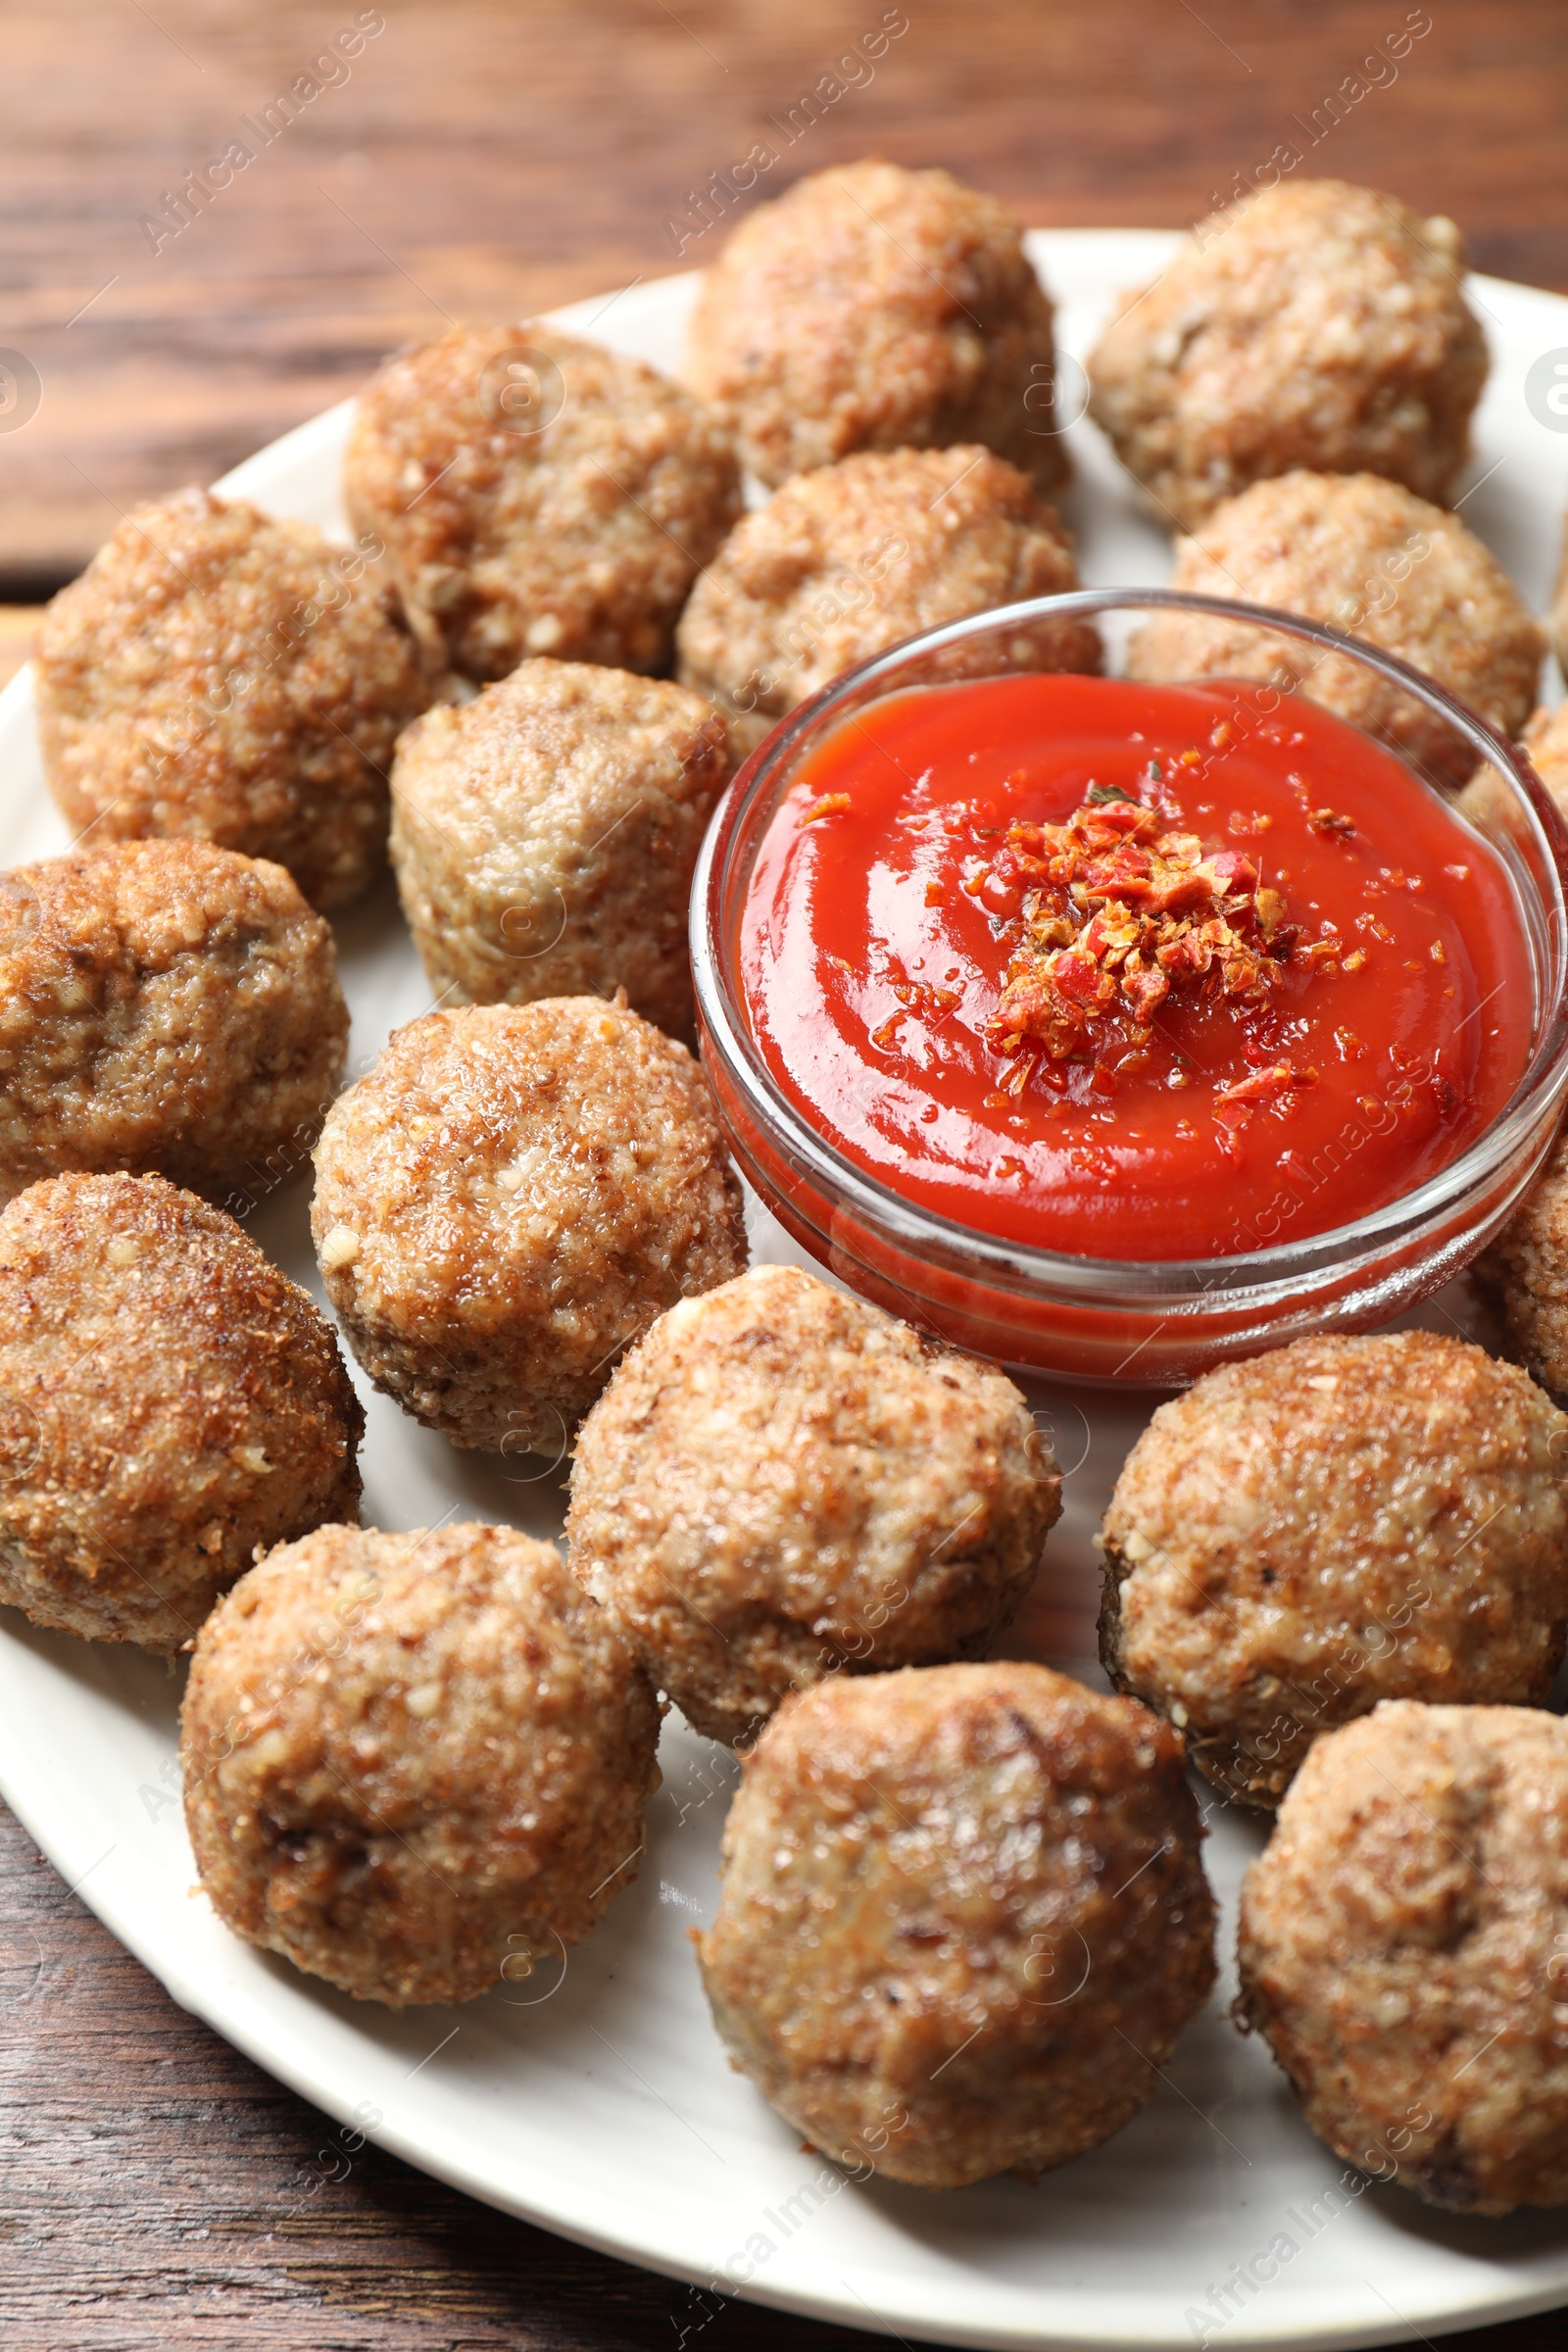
{"x":1126,"y":907}
{"x":832,"y":804}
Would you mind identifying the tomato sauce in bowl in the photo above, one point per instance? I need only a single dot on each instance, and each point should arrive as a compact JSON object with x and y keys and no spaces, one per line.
{"x":1127,"y":970}
{"x":1115,"y":1030}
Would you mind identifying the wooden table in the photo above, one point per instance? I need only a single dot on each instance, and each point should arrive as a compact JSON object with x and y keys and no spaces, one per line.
{"x":485,"y":158}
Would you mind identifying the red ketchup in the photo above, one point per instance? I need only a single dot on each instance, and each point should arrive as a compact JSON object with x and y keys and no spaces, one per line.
{"x":1127,"y":970}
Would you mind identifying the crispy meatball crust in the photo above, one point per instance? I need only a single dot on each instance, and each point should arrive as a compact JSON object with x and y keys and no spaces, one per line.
{"x":508,"y":1197}
{"x":544,"y":837}
{"x":963,"y":1919}
{"x":164,"y":1005}
{"x":415,"y":1764}
{"x":1317,"y":324}
{"x":1545,"y":744}
{"x":579,"y":537}
{"x":1402,"y":1942}
{"x":169,"y":1404}
{"x":1525,"y":1270}
{"x":874,"y":307}
{"x":219,"y":677}
{"x":1340,"y":1520}
{"x":1367,"y":557}
{"x":853,"y":558}
{"x":783,"y":1482}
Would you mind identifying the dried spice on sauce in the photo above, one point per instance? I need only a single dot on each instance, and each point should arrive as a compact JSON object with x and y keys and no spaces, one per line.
{"x":1127,"y":970}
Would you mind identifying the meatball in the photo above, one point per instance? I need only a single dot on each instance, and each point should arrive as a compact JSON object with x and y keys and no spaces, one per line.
{"x":544,"y":837}
{"x":1366,"y":557}
{"x":164,"y":1005}
{"x":1404,"y":1943}
{"x":874,"y":307}
{"x":538,"y":495}
{"x":782,"y":1483}
{"x":170,"y":1404}
{"x":1316,"y":325}
{"x":963,"y":1919}
{"x":415,"y":1765}
{"x":1526,"y":1270}
{"x":1342,"y":1521}
{"x":1545,"y":744}
{"x":850,"y":560}
{"x":222,"y":677}
{"x":509,"y":1196}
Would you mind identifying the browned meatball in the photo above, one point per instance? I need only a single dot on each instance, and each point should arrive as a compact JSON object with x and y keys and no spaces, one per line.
{"x":544,"y":837}
{"x":1366,"y":557}
{"x":217,"y":675}
{"x":507,"y":1200}
{"x":782,"y":1482}
{"x":168,"y":1403}
{"x":962,"y":1921}
{"x":1342,"y":1521}
{"x":415,"y":1765}
{"x":538,"y":495}
{"x":1544,"y":743}
{"x":1404,"y":1948}
{"x":1559,"y":615}
{"x":845,"y":561}
{"x":874,"y":307}
{"x":164,"y":1005}
{"x":1527,"y":1269}
{"x":1316,"y":325}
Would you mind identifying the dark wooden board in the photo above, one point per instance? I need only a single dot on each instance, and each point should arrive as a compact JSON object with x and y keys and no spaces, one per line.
{"x":487,"y":157}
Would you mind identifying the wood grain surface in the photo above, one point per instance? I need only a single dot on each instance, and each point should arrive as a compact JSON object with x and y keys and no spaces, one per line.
{"x":484,"y":158}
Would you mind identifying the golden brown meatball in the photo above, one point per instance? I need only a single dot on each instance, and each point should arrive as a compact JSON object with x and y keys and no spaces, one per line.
{"x":1366,"y":557}
{"x":415,"y":1764}
{"x":874,"y":307}
{"x":845,"y":561}
{"x":782,"y":1483}
{"x":1544,"y":743}
{"x":507,"y":1200}
{"x":544,"y":837}
{"x":963,"y":1919}
{"x":222,"y":677}
{"x":169,"y":1404}
{"x":1526,"y":1268}
{"x":1317,"y":324}
{"x":164,"y":1005}
{"x":1404,"y":1948}
{"x":1342,"y":1521}
{"x":537,"y":495}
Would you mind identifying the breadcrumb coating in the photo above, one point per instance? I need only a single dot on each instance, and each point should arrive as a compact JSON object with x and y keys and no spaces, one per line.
{"x":543,"y":838}
{"x":537,"y":495}
{"x":1367,"y":557}
{"x":415,"y":1764}
{"x":164,"y":1005}
{"x":222,"y":677}
{"x":874,"y":307}
{"x":1338,"y":1522}
{"x":963,"y":1919}
{"x":1403,"y":1950}
{"x":1317,"y":324}
{"x":168,"y":1403}
{"x":507,"y":1200}
{"x":783,"y":1482}
{"x":845,"y":561}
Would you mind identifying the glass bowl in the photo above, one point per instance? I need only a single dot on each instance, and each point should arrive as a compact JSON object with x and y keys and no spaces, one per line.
{"x":1135,"y":1321}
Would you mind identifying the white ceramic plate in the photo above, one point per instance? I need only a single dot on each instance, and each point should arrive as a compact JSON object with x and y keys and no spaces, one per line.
{"x":600,"y":2103}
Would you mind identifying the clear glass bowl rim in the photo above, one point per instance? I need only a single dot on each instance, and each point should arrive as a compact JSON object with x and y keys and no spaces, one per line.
{"x":1067,"y":1276}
